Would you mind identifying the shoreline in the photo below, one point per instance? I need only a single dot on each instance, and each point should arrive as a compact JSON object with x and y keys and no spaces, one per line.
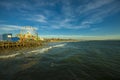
{"x":14,"y":50}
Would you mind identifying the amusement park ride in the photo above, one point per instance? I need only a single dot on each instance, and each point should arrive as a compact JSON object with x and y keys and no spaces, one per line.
{"x":28,"y":33}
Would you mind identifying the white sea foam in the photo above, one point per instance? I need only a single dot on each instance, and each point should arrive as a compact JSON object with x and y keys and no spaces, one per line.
{"x":39,"y":50}
{"x":45,"y":49}
{"x":59,"y":45}
{"x":9,"y":56}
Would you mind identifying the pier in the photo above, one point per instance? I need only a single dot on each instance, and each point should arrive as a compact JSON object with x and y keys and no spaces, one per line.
{"x":7,"y":45}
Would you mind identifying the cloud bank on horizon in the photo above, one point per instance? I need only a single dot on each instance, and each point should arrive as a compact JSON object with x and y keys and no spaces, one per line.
{"x":65,"y":17}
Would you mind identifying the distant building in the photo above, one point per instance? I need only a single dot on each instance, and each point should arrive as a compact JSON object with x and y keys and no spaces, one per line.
{"x":7,"y":37}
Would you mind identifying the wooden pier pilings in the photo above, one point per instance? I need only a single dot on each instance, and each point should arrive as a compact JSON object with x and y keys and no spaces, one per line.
{"x":5,"y":45}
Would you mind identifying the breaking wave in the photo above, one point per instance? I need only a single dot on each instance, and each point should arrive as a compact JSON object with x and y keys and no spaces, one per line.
{"x":9,"y":56}
{"x":59,"y":45}
{"x":40,"y":50}
{"x":46,"y":49}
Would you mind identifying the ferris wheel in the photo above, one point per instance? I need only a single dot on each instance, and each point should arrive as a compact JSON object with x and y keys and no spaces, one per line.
{"x":28,"y":29}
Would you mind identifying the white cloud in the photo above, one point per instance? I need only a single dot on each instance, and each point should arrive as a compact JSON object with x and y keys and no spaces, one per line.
{"x":68,"y":23}
{"x":38,"y":18}
{"x":92,"y":5}
{"x":19,"y":5}
{"x":78,"y":27}
{"x":9,"y":27}
{"x":4,"y":27}
{"x":100,"y":15}
{"x":94,"y":29}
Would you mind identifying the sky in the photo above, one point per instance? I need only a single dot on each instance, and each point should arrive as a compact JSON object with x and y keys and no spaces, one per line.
{"x":87,"y":19}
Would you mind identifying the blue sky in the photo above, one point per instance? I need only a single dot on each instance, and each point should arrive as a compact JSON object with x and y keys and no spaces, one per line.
{"x":62,"y":18}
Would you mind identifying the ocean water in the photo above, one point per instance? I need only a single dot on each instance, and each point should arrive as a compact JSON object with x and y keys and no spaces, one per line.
{"x":85,"y":60}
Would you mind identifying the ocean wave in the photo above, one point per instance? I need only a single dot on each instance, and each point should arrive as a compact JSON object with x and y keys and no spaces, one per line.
{"x":46,"y":49}
{"x":40,"y":50}
{"x":9,"y":56}
{"x":59,"y":45}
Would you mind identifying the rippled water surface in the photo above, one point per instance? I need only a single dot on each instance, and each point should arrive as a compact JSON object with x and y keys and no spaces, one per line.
{"x":85,"y":60}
